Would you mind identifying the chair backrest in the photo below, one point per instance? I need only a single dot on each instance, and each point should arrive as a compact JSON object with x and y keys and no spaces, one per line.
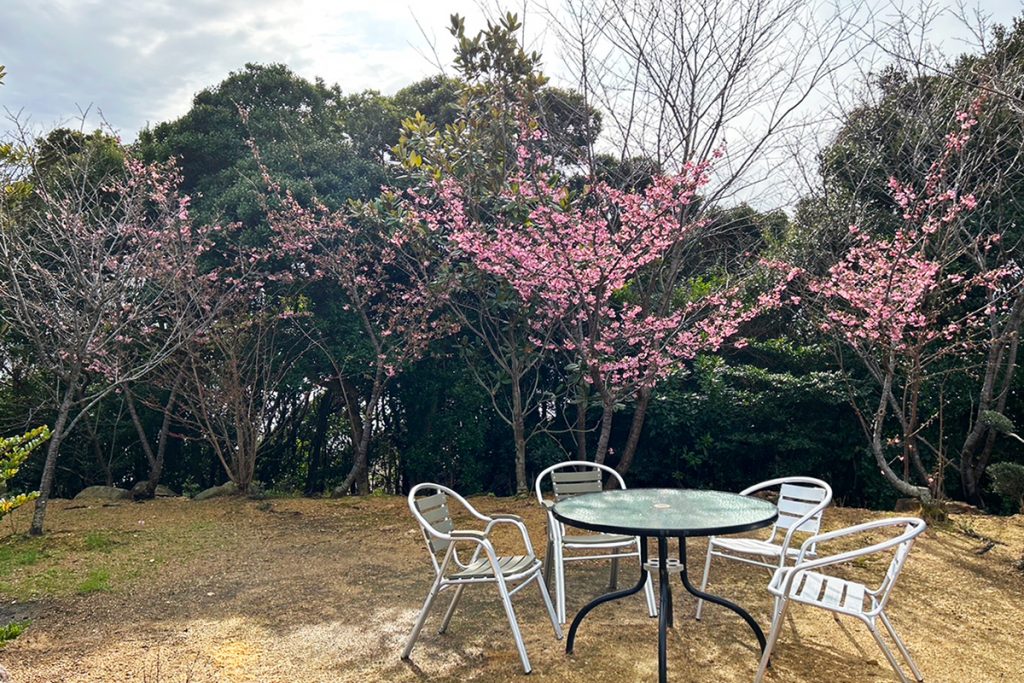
{"x":574,"y":477}
{"x":796,"y":500}
{"x":434,"y":517}
{"x":799,"y":497}
{"x":432,"y":511}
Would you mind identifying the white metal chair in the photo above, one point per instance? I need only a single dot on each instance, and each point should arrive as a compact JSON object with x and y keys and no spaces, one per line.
{"x":802,"y":502}
{"x":483,"y":565}
{"x":803,"y":583}
{"x":569,"y":479}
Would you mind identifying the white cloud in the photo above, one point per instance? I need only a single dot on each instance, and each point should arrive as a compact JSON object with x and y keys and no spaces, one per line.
{"x":139,"y":62}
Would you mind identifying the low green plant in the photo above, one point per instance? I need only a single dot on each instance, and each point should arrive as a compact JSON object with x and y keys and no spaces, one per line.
{"x":11,"y":631}
{"x":98,"y":580}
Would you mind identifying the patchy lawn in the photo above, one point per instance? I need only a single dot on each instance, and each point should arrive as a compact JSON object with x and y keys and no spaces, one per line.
{"x":327,"y":590}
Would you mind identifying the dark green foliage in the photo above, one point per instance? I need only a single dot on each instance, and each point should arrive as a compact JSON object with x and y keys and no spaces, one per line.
{"x":770,"y":412}
{"x":298,"y":127}
{"x":1008,"y":483}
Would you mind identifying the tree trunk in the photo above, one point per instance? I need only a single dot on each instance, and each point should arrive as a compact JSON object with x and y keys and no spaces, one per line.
{"x":607,"y":414}
{"x":643,"y":399}
{"x":519,"y":435}
{"x":358,"y":476}
{"x":155,"y":460}
{"x":878,"y":448}
{"x":50,"y":466}
{"x":101,"y":461}
{"x":976,"y":453}
{"x":362,"y":426}
{"x":580,"y":429}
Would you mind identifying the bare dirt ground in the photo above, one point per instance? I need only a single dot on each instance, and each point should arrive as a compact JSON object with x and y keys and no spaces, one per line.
{"x":327,"y":590}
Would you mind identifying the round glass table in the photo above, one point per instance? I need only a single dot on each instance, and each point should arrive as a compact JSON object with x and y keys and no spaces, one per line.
{"x":664,"y":514}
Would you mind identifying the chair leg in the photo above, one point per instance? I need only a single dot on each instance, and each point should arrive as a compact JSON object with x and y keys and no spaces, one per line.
{"x":551,"y":608}
{"x":704,"y":581}
{"x":902,"y":647}
{"x":652,"y":606}
{"x":559,"y":584}
{"x":434,"y":590}
{"x":893,"y":662}
{"x":520,"y":645}
{"x":613,"y":577}
{"x":451,"y":609}
{"x":548,"y":560}
{"x":773,"y":637}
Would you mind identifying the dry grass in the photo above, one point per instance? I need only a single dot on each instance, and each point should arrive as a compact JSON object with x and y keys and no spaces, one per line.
{"x":309,"y":590}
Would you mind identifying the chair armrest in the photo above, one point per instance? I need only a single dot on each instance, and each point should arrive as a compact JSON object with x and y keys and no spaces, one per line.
{"x":511,"y":519}
{"x":467,"y":535}
{"x":784,"y":578}
{"x":858,"y":529}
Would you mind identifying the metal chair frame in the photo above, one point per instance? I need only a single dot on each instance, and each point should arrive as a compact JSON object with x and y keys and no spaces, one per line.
{"x":802,"y":502}
{"x":803,"y":583}
{"x":484,"y":565}
{"x":586,"y":477}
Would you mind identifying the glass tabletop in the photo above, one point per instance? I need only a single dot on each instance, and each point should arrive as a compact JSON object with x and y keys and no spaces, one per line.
{"x":665,"y":512}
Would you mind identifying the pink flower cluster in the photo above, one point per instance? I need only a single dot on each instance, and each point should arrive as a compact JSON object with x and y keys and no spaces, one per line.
{"x":573,"y":258}
{"x":902,"y":292}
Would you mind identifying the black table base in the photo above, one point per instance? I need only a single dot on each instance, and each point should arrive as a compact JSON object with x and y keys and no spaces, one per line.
{"x":665,"y":608}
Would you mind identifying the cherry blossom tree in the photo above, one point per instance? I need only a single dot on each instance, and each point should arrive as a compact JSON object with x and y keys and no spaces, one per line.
{"x":92,"y":257}
{"x":572,"y":256}
{"x":911,"y":314}
{"x":394,"y":285}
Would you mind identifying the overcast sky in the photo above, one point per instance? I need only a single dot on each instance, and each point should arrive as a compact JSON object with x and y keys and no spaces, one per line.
{"x":141,"y":61}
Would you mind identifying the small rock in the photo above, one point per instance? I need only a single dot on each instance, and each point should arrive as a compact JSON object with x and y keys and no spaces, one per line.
{"x":103,"y":493}
{"x":140,"y":491}
{"x":228,"y":489}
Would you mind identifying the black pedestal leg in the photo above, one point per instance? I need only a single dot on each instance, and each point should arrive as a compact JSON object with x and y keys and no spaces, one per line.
{"x":717,"y":600}
{"x":578,"y":619}
{"x":666,"y":607}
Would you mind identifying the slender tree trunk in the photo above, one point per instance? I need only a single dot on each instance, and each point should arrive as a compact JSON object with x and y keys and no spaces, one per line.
{"x":643,"y":399}
{"x":878,"y":448}
{"x":50,"y":466}
{"x":607,"y":414}
{"x":97,"y":451}
{"x":519,"y":435}
{"x":362,"y":427}
{"x":155,"y":460}
{"x":580,"y":430}
{"x":1000,"y":367}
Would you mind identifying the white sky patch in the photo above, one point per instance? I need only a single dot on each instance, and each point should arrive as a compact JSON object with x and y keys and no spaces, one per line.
{"x":141,"y":62}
